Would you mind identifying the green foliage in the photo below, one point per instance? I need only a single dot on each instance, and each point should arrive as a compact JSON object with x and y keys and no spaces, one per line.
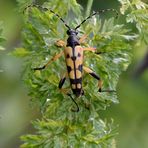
{"x":1,"y":37}
{"x":1,"y":40}
{"x":136,"y":12}
{"x":59,"y":126}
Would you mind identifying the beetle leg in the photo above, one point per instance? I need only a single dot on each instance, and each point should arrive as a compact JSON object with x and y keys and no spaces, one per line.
{"x":60,"y":43}
{"x":77,"y":107}
{"x":50,"y":61}
{"x":82,"y":39}
{"x":89,"y":49}
{"x":61,"y":83}
{"x":93,"y":74}
{"x":93,"y":49}
{"x":65,"y":90}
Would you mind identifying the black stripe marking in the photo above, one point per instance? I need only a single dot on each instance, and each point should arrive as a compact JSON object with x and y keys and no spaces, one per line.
{"x":76,"y":81}
{"x":73,"y":58}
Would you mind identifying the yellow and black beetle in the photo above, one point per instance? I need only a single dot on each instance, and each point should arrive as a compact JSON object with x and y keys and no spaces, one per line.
{"x":73,"y":53}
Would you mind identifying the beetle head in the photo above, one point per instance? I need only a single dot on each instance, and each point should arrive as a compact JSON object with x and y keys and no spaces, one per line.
{"x":71,"y":32}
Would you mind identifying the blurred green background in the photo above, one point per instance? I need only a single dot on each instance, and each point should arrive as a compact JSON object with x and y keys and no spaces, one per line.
{"x":16,"y":112}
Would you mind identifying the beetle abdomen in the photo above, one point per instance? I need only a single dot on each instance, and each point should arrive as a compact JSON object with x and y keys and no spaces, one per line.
{"x":74,"y":61}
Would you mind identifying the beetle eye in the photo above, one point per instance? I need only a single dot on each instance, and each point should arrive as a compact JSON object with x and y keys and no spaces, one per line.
{"x":68,"y":32}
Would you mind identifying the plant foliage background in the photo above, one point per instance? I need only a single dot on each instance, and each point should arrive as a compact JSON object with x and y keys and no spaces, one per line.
{"x":59,"y":126}
{"x":1,"y":37}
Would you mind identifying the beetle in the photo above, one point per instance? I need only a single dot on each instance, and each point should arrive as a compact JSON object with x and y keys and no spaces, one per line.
{"x":73,"y":52}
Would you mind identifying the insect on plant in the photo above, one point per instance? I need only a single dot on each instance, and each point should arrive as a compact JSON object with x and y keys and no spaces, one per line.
{"x":73,"y":52}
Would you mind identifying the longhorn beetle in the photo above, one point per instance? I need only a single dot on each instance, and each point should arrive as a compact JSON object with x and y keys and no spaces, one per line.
{"x":73,"y":53}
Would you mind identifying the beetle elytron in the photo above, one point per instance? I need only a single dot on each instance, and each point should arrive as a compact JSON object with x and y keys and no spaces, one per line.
{"x":73,"y":53}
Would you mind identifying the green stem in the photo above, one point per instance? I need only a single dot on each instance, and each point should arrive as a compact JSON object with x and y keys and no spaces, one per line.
{"x":89,"y":6}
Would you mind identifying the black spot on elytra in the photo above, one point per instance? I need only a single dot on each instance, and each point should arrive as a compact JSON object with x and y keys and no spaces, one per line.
{"x":79,"y":55}
{"x":67,"y":56}
{"x":80,"y":67}
{"x":69,"y":69}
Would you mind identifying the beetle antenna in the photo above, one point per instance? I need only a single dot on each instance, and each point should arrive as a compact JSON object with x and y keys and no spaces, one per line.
{"x":46,"y":9}
{"x":96,"y":13}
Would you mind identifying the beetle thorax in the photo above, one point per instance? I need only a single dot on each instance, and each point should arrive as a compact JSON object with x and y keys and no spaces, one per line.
{"x":72,"y":40}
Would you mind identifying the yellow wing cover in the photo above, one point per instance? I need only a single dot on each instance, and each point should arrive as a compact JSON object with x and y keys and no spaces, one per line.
{"x":74,"y":62}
